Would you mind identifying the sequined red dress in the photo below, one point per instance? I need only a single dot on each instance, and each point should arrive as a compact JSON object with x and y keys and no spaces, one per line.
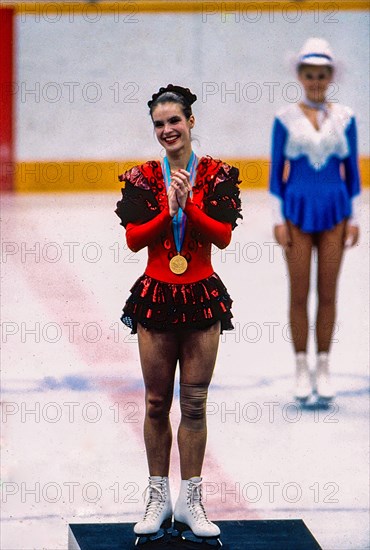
{"x":197,"y":298}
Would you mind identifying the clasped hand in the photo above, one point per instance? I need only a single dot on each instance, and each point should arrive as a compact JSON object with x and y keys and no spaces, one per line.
{"x":178,"y":191}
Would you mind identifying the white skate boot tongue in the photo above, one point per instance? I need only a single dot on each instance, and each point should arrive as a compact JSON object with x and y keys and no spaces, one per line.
{"x":155,"y":489}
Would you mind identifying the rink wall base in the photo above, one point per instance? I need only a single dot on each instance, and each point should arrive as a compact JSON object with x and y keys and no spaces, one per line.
{"x":236,"y":535}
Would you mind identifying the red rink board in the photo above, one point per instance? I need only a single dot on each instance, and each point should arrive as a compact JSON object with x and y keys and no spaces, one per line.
{"x":6,"y":99}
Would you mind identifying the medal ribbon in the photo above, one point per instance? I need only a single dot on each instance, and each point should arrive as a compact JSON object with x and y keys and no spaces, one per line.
{"x":179,"y":221}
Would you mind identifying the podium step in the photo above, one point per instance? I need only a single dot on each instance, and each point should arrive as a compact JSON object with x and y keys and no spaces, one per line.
{"x":235,"y":535}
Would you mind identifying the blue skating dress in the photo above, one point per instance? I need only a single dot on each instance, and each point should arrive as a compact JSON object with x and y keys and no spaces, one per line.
{"x":317,"y":194}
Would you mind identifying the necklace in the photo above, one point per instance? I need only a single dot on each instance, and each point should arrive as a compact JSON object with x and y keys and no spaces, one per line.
{"x":321,"y":108}
{"x":319,"y":105}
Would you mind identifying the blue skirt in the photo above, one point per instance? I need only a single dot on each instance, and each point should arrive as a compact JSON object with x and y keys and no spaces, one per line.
{"x":317,"y":202}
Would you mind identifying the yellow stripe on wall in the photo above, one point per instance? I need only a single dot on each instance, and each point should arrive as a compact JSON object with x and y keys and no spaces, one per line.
{"x":90,"y":176}
{"x":92,"y":10}
{"x":209,"y":9}
{"x":70,"y":176}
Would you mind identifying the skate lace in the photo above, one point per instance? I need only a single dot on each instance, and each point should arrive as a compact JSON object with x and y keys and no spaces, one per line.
{"x":195,"y":502}
{"x":155,"y":499}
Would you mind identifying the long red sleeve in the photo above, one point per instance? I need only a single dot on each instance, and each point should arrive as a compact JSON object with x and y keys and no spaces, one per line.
{"x":218,"y":233}
{"x":140,"y":235}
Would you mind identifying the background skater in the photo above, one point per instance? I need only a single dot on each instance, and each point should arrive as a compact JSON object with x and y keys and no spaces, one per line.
{"x":315,"y":205}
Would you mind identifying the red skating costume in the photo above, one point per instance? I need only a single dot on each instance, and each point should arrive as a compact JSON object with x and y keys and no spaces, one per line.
{"x":197,"y":298}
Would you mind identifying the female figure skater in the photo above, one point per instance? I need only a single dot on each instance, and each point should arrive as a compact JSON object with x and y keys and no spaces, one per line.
{"x":315,"y":204}
{"x":178,"y":307}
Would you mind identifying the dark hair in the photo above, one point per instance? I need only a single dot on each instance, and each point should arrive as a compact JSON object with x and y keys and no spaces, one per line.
{"x":173,"y":94}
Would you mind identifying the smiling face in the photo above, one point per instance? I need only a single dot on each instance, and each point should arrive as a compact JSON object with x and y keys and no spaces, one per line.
{"x":315,"y":81}
{"x":171,"y":127}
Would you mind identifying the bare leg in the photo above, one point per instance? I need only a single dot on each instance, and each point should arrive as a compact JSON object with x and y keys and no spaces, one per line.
{"x":198,"y":352}
{"x":299,"y":260}
{"x":158,"y":355}
{"x":330,"y":254}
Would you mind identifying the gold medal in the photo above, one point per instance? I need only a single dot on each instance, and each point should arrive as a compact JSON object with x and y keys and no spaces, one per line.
{"x":178,"y":264}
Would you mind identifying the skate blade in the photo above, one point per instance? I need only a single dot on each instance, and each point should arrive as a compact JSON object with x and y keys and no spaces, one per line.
{"x":302,"y":400}
{"x":321,"y":398}
{"x":166,"y":528}
{"x":143,"y":539}
{"x":184,"y":531}
{"x":324,"y":400}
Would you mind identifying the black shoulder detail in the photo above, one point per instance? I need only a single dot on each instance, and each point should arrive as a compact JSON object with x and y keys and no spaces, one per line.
{"x":138,"y":203}
{"x":222,"y":202}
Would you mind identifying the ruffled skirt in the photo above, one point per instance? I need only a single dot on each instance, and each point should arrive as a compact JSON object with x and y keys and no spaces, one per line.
{"x":166,"y":306}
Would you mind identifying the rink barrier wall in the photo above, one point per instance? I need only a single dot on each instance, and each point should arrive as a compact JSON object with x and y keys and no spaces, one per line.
{"x":102,"y":176}
{"x":91,"y":175}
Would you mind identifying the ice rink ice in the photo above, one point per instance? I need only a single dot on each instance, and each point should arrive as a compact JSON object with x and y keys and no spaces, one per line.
{"x":72,"y":446}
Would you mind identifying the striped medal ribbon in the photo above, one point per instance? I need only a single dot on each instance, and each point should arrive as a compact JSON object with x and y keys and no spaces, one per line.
{"x":178,"y":263}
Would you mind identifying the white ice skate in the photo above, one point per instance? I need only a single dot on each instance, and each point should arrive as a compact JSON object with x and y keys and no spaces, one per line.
{"x":324,"y":386}
{"x":303,"y":386}
{"x":191,"y":521}
{"x":158,"y":512}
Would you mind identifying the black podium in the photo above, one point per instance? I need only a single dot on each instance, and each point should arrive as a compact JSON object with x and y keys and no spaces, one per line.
{"x":235,"y":535}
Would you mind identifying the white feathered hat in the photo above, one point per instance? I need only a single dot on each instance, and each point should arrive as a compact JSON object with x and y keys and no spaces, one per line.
{"x":315,"y":51}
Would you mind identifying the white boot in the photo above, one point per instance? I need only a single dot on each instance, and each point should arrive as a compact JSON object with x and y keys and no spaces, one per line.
{"x":189,"y":510}
{"x":158,"y":512}
{"x":324,"y":386}
{"x":302,"y":377}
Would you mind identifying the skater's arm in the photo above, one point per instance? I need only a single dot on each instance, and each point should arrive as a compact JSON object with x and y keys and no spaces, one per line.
{"x":352,"y":177}
{"x":139,"y":236}
{"x":279,"y":138}
{"x":218,"y":233}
